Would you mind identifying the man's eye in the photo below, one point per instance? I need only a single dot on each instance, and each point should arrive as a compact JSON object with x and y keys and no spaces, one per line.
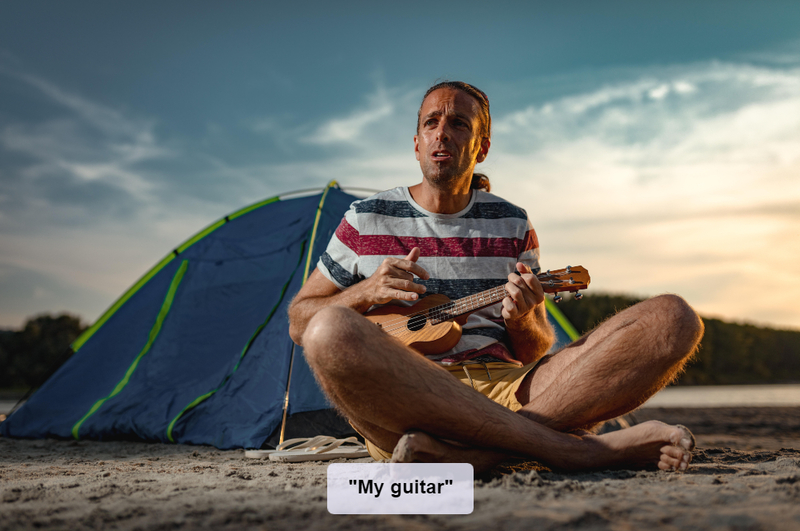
{"x":430,"y":122}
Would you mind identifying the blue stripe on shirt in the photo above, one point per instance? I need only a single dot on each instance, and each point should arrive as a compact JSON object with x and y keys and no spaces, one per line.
{"x":395,"y":209}
{"x":339,"y":274}
{"x":495,"y":211}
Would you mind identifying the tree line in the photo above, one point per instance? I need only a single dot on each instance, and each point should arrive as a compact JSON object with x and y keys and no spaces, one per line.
{"x":28,"y":356}
{"x":729,"y":353}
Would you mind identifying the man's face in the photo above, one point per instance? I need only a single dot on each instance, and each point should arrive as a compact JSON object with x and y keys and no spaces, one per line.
{"x":448,"y":142}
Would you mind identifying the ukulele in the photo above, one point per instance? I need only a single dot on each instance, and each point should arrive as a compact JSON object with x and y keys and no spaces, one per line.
{"x":433,"y":325}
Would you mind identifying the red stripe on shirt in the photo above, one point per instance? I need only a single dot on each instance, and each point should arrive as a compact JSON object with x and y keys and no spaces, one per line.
{"x":453,"y":247}
{"x":348,"y":235}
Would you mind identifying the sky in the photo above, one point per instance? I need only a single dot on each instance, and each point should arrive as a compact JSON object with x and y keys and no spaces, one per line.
{"x":655,"y":143}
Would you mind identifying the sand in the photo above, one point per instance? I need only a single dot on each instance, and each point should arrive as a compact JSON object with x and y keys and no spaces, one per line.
{"x":745,"y":475}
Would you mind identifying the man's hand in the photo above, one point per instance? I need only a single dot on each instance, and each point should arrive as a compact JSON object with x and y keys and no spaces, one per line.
{"x":526,"y":319}
{"x":394,"y":279}
{"x":525,"y":293}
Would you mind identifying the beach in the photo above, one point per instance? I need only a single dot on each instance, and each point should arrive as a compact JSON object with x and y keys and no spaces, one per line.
{"x":745,"y":475}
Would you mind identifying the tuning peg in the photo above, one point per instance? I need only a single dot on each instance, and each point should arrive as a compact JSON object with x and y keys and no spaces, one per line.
{"x":557,"y":298}
{"x":578,"y":295}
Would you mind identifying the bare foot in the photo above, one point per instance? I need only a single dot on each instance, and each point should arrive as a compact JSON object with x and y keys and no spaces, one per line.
{"x":651,"y":443}
{"x":418,"y":447}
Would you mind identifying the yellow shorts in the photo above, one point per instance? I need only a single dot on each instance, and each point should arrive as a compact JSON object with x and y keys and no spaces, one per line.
{"x":501,"y":388}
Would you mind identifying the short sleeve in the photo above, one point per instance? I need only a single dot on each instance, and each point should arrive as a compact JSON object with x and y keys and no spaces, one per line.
{"x":529,"y":249}
{"x":339,"y":262}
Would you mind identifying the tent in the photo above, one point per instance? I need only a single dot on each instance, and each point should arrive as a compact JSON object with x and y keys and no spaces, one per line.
{"x":198,"y":351}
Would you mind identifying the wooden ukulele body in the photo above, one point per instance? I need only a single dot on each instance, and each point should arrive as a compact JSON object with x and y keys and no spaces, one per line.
{"x":418,"y":333}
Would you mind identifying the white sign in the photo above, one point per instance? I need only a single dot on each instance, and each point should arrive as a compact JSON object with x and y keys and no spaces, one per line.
{"x":400,"y":488}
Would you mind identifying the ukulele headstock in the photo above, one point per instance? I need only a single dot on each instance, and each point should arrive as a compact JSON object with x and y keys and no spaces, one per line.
{"x":571,"y":278}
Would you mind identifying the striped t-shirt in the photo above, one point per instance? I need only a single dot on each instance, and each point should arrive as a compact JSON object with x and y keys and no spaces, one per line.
{"x":464,"y":253}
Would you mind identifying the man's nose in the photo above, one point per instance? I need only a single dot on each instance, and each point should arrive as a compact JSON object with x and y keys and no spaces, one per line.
{"x":442,"y":134}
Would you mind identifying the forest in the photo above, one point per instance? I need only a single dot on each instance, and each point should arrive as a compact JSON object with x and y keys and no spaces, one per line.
{"x":730,"y":353}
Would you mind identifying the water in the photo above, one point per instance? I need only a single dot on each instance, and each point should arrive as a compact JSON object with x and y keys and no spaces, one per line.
{"x":6,"y":406}
{"x":701,"y":396}
{"x":728,"y":396}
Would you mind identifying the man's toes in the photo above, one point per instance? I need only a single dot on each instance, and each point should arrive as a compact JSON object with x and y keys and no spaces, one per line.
{"x":674,"y":458}
{"x":668,"y":462}
{"x":676,"y":452}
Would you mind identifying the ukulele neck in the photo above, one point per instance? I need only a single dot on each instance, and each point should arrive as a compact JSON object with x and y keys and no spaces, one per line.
{"x":569,"y":279}
{"x":468,"y":304}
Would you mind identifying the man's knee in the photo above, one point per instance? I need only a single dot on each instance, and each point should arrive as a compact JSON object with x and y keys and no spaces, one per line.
{"x":682,"y":325}
{"x":326,"y":327}
{"x":328,"y":333}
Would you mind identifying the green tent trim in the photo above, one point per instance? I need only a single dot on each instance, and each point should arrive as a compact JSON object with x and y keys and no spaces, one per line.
{"x":162,"y":315}
{"x":561,"y":319}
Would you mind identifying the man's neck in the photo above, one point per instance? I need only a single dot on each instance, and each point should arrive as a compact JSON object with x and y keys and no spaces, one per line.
{"x":440,"y":200}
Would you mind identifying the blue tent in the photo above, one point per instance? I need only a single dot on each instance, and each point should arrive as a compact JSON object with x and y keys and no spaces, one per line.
{"x":198,"y":350}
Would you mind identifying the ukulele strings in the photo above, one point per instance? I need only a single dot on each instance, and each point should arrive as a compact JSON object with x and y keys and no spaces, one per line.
{"x":433,"y":316}
{"x":462,"y":305}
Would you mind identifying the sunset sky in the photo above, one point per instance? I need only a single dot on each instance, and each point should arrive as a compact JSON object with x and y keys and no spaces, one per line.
{"x":655,"y":143}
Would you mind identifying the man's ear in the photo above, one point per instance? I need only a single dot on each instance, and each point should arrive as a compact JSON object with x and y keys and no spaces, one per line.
{"x":484,"y":151}
{"x":416,"y":146}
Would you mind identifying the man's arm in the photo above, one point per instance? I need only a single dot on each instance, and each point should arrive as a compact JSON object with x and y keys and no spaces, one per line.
{"x":394,"y":279}
{"x":526,"y":316}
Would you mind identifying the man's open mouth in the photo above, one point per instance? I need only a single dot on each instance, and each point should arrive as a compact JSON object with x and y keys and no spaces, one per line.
{"x":441,"y":154}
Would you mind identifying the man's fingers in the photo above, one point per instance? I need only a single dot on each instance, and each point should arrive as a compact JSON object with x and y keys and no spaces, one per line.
{"x":519,"y":290}
{"x":396,"y":272}
{"x":524,"y":292}
{"x":528,"y":282}
{"x":413,"y":256}
{"x":409,"y":263}
{"x":403,"y":295}
{"x":406,"y":285}
{"x":412,"y":267}
{"x":510,"y":310}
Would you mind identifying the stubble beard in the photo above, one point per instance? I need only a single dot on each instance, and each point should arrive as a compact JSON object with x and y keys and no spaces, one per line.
{"x":445,"y":178}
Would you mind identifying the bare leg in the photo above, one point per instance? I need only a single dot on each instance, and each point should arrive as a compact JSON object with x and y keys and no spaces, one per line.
{"x":378,"y":382}
{"x":615,"y":368}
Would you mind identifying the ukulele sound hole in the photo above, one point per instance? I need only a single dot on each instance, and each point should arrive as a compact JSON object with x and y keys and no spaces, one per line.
{"x":417,"y":322}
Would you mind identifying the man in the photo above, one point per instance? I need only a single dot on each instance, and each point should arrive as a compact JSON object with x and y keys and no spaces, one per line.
{"x":523,"y":403}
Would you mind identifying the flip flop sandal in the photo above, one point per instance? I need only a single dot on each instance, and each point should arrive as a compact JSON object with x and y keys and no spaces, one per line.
{"x":348,"y":448}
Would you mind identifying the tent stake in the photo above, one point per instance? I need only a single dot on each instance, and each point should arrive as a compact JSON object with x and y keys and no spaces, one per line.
{"x":286,"y":398}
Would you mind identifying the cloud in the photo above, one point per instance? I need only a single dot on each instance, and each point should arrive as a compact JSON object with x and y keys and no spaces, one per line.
{"x":380,"y":109}
{"x":681,"y":181}
{"x":79,"y":146}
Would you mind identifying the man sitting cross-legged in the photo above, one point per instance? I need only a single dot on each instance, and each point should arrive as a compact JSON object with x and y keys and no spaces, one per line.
{"x":447,"y":235}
